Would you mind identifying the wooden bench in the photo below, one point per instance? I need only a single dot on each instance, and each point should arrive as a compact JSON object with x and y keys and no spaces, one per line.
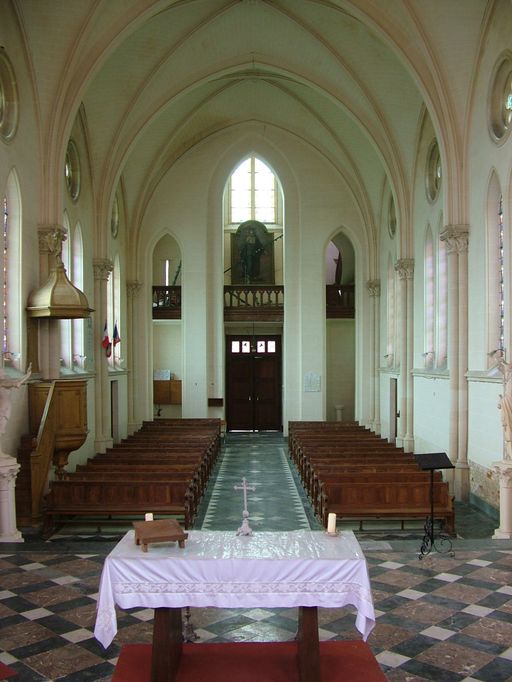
{"x":163,"y":469}
{"x":115,"y":498}
{"x":401,"y":499}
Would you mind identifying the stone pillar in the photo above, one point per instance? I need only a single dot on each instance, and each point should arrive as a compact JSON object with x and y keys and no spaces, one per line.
{"x":102,"y":268}
{"x":132,"y":290}
{"x":373,"y":287}
{"x":9,"y":468}
{"x":49,"y":330}
{"x":456,"y":238}
{"x":405,"y":269}
{"x":504,"y":470}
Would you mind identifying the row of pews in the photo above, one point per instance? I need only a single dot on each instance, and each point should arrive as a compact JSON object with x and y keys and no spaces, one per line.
{"x":162,"y":468}
{"x":352,"y":472}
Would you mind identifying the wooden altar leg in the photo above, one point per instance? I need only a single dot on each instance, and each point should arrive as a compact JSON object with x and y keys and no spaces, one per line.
{"x":308,"y":645}
{"x":167,"y":644}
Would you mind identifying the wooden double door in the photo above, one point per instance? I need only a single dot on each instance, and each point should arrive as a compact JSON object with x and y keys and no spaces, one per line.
{"x":253,"y":383}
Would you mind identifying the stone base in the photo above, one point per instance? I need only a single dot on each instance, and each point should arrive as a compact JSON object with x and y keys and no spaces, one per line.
{"x":14,"y":536}
{"x":501,"y":535}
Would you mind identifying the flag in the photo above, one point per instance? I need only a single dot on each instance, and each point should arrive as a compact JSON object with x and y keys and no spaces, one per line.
{"x":105,"y":341}
{"x":108,"y":350}
{"x":115,"y":336}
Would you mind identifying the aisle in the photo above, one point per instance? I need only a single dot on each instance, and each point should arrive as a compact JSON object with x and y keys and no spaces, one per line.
{"x":277,"y":503}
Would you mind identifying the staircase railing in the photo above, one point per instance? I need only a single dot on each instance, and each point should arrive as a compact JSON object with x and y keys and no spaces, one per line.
{"x":42,"y":455}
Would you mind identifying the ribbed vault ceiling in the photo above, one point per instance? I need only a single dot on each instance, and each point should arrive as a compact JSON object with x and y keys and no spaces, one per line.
{"x":345,"y":76}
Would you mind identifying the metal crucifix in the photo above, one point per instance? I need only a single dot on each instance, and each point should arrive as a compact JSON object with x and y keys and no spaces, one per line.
{"x":245,"y":529}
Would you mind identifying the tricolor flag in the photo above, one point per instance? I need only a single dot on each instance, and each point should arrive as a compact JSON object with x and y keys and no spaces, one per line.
{"x":115,"y":336}
{"x":105,"y":341}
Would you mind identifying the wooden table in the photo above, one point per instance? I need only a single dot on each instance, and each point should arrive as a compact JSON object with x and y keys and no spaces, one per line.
{"x":303,"y":569}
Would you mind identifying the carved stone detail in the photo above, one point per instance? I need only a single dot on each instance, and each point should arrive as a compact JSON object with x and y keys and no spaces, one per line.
{"x":373,"y":286}
{"x":456,"y":238}
{"x":50,"y":237}
{"x":102,"y":268}
{"x":133,"y":287}
{"x":405,"y":268}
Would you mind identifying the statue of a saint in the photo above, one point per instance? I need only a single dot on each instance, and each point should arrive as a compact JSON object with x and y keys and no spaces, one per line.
{"x":505,"y":405}
{"x":250,"y":254}
{"x":5,"y":395}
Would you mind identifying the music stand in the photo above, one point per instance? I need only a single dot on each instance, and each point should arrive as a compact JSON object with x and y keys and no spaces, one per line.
{"x":430,"y":462}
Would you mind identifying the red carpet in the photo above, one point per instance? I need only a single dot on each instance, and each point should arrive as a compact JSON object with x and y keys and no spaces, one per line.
{"x":6,"y":672}
{"x":253,"y":662}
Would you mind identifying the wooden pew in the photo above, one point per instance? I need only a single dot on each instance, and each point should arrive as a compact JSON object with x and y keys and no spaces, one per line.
{"x":380,"y":499}
{"x":163,"y":469}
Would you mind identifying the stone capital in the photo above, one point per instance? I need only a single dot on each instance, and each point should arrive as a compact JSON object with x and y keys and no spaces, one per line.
{"x":456,"y":238}
{"x":50,"y":238}
{"x":133,"y":287}
{"x":373,"y":286}
{"x":504,"y":471}
{"x":405,"y":268}
{"x":102,"y":268}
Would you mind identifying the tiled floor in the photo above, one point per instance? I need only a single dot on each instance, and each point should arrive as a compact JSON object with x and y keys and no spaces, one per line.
{"x":443,"y":618}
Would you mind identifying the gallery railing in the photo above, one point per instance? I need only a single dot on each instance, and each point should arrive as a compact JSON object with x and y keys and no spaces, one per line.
{"x":166,"y":303}
{"x":250,"y":302}
{"x":254,"y":302}
{"x":340,"y":300}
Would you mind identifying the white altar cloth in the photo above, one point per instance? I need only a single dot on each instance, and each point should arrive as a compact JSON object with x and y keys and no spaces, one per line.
{"x":221,"y":569}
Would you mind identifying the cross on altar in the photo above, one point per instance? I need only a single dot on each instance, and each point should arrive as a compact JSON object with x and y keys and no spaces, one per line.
{"x":245,"y":529}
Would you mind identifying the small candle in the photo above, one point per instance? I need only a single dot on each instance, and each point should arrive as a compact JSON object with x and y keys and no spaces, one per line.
{"x":331,"y":523}
{"x":148,"y":517}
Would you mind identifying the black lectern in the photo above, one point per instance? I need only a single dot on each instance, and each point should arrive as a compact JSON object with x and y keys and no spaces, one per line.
{"x":430,"y":462}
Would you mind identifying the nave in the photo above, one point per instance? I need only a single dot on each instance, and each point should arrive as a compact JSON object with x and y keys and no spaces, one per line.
{"x":442,"y":618}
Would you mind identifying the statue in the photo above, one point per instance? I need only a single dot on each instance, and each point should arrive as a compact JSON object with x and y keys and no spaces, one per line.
{"x":250,"y":254}
{"x":505,"y":405}
{"x":5,"y":396}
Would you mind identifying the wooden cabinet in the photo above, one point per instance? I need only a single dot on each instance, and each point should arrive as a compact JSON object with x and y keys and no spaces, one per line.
{"x":167,"y":392}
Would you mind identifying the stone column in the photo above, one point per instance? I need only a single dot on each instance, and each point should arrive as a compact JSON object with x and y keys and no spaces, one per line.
{"x":504,"y":470}
{"x":102,"y":268}
{"x":49,"y":330}
{"x":133,"y":288}
{"x":456,"y":238}
{"x":373,"y":287}
{"x":9,"y":468}
{"x":405,"y":269}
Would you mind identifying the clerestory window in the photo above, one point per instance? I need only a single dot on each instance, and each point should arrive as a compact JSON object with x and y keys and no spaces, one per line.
{"x":253,"y":194}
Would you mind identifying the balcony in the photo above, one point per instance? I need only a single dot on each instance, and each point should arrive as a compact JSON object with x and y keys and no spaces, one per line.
{"x":249,"y":303}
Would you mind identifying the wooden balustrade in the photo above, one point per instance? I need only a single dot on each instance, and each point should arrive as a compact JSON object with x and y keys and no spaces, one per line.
{"x":254,"y":302}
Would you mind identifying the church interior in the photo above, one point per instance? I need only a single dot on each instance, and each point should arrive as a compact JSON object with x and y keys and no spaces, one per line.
{"x":256,"y":214}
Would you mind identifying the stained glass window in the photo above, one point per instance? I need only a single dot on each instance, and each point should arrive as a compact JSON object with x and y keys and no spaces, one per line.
{"x":253,"y":192}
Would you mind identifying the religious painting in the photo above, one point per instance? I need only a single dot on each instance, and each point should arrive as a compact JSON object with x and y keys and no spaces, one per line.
{"x":252,"y":254}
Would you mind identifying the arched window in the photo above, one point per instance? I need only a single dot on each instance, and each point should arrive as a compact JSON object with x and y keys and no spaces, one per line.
{"x":114,"y":312}
{"x":391,"y":315}
{"x":11,"y":273}
{"x":442,"y":305}
{"x":253,"y":194}
{"x":65,"y":325}
{"x":429,"y":302}
{"x":77,"y":277}
{"x":496,"y":310}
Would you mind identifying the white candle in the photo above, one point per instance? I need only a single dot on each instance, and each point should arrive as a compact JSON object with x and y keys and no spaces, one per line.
{"x":148,"y":517}
{"x":331,"y":523}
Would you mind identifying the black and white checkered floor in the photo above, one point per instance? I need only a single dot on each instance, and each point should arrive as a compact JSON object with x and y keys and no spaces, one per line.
{"x":444,"y":618}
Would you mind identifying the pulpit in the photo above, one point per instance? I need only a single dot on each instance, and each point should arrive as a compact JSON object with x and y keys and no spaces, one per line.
{"x":58,"y":425}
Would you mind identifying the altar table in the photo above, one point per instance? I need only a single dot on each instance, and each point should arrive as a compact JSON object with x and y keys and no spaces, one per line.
{"x":304,"y":569}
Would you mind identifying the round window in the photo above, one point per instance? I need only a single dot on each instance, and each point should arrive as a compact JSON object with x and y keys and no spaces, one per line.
{"x":72,"y":170}
{"x":500,"y":100}
{"x":391,"y":217}
{"x":114,"y":219}
{"x":433,"y":172}
{"x":8,"y":99}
